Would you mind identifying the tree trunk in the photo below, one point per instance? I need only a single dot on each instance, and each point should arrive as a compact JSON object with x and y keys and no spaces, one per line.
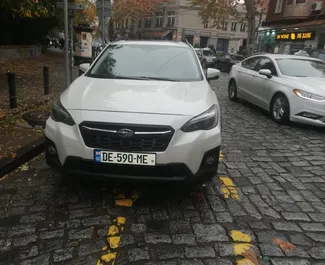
{"x":250,"y":15}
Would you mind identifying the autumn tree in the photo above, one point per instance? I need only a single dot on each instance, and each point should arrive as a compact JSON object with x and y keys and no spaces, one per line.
{"x":133,"y":11}
{"x":86,"y":15}
{"x":215,"y":12}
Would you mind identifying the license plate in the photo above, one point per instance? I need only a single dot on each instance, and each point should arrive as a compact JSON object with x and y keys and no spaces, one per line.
{"x":125,"y":158}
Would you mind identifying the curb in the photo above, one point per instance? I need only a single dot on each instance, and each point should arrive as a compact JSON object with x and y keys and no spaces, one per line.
{"x":23,"y":155}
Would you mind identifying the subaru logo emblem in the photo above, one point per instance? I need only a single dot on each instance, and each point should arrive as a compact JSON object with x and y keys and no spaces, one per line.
{"x":125,"y":133}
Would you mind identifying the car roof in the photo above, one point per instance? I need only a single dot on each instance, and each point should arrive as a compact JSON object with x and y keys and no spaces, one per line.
{"x":153,"y":42}
{"x":285,"y":56}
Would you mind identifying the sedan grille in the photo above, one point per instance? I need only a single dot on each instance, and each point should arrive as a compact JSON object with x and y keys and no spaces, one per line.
{"x":126,"y":137}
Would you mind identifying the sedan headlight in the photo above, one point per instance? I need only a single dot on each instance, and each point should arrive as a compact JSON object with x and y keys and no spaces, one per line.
{"x":307,"y":95}
{"x":205,"y":121}
{"x":60,"y":114}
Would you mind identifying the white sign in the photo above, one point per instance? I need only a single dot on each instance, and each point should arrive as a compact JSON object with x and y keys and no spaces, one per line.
{"x":71,"y":6}
{"x":84,"y":44}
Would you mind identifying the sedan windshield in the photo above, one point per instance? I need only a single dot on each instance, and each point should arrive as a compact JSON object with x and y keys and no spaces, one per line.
{"x":301,"y":68}
{"x":147,"y":62}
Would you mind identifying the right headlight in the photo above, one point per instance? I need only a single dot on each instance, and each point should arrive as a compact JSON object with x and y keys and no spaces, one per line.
{"x":307,"y":95}
{"x":60,"y":114}
{"x":205,"y":121}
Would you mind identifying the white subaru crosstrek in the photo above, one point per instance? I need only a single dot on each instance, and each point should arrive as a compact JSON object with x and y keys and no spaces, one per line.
{"x":142,"y":110}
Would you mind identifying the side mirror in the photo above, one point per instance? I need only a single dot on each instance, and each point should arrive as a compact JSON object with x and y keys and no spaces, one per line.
{"x":265,"y":72}
{"x":84,"y":67}
{"x":213,"y":74}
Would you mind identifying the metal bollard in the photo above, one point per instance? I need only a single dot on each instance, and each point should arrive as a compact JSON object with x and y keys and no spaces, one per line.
{"x":12,"y":89}
{"x":46,"y":80}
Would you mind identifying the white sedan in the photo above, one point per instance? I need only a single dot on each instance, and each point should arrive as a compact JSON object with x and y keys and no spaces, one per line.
{"x":291,"y":88}
{"x":143,"y":110}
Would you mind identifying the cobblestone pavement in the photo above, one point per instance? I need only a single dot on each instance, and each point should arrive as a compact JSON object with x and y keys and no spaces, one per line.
{"x":266,"y":206}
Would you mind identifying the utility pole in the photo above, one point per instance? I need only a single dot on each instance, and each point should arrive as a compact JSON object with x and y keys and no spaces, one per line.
{"x":103,"y":21}
{"x":66,"y":44}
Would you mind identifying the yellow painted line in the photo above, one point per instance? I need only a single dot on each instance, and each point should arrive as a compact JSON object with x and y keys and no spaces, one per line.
{"x":239,"y":236}
{"x":243,"y":249}
{"x":228,"y":188}
{"x":221,"y":156}
{"x":115,"y":230}
{"x":245,"y":262}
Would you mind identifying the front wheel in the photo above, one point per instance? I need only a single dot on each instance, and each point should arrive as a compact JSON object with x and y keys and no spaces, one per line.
{"x":232,"y":90}
{"x":280,"y":109}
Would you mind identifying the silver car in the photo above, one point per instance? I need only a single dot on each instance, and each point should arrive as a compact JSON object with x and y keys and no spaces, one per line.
{"x":290,"y":87}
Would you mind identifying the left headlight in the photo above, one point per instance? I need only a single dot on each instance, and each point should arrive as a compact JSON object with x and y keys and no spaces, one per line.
{"x":205,"y":121}
{"x":307,"y":95}
{"x":60,"y":114}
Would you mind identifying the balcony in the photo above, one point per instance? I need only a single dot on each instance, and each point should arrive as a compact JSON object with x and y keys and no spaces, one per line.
{"x":297,"y":10}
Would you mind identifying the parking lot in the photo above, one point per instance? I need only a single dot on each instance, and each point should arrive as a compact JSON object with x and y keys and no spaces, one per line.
{"x":265,"y":206}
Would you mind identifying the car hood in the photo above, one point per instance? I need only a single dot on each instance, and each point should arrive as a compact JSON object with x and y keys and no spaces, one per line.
{"x":139,"y":96}
{"x":315,"y":85}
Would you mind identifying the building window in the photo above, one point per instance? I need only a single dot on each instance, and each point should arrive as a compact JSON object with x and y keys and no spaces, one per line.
{"x":300,"y":2}
{"x":233,"y":26}
{"x":242,"y":27}
{"x":278,"y":7}
{"x":289,"y":2}
{"x":170,"y":18}
{"x":147,"y":23}
{"x":224,"y":26}
{"x":140,"y":23}
{"x":159,"y":19}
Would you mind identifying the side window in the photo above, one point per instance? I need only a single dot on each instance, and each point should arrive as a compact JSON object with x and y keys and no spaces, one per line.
{"x":250,"y":63}
{"x":266,"y":63}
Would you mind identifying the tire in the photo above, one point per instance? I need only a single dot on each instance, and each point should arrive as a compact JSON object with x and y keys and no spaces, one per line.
{"x":232,"y":90}
{"x":280,"y":109}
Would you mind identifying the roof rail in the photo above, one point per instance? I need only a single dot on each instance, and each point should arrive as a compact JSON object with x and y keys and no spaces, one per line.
{"x":187,"y":42}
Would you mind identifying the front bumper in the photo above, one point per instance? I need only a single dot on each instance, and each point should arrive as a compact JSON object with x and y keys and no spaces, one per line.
{"x":307,"y":111}
{"x":183,"y":159}
{"x":168,"y":172}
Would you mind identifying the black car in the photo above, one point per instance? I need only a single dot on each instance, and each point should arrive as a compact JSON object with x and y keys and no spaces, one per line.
{"x":226,"y":61}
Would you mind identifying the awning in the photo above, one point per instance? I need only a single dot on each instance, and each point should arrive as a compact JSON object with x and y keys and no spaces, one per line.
{"x":310,"y":23}
{"x":157,"y":34}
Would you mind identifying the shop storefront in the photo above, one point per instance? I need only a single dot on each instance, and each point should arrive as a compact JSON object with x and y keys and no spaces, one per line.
{"x":291,"y":39}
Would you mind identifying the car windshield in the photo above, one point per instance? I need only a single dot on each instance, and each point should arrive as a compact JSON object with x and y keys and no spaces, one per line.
{"x":208,"y":53}
{"x":301,"y":68}
{"x":147,"y":62}
{"x":237,"y":57}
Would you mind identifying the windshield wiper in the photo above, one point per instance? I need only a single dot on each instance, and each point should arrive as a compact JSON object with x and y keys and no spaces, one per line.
{"x":158,"y":78}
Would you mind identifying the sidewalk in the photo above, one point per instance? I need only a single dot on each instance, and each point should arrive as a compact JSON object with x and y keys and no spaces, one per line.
{"x":14,"y":131}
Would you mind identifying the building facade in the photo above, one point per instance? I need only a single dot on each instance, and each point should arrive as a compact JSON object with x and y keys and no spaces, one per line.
{"x":176,"y":20}
{"x":293,"y":25}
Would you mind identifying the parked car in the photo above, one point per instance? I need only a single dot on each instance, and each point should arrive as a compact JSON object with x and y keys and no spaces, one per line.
{"x":225,"y":62}
{"x":154,"y":117}
{"x":319,"y":54}
{"x":290,"y":87}
{"x":207,"y":57}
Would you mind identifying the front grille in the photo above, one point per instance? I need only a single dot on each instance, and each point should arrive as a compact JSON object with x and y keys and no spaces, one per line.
{"x":146,"y":137}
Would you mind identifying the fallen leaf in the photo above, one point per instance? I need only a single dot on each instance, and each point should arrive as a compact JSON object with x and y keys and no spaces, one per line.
{"x":284,"y":245}
{"x":13,"y":155}
{"x":251,"y":255}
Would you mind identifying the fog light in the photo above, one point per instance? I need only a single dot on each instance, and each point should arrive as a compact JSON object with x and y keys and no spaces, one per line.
{"x":310,"y":115}
{"x":210,"y":160}
{"x":51,"y":150}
